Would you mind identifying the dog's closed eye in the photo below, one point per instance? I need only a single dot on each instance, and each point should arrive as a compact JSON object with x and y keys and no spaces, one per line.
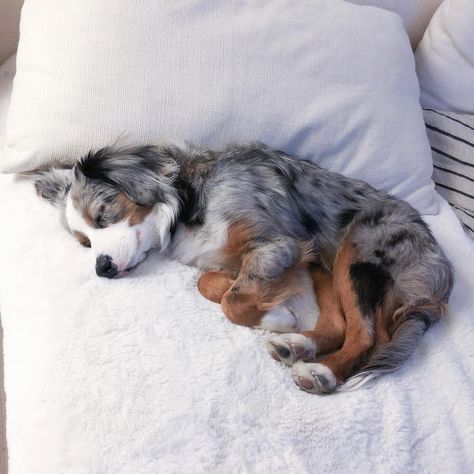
{"x":82,"y":239}
{"x":99,"y":219}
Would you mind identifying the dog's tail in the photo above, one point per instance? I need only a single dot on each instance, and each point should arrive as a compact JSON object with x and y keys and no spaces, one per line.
{"x":388,"y":357}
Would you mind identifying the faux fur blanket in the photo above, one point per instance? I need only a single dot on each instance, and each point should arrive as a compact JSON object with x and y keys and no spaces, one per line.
{"x":143,"y":375}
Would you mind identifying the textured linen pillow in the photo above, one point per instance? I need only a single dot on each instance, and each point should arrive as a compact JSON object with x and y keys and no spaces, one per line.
{"x":445,"y":58}
{"x":416,"y":14}
{"x":452,"y":143}
{"x":324,"y":79}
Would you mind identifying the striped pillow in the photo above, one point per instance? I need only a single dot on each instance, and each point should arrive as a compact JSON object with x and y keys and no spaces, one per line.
{"x":451,"y":138}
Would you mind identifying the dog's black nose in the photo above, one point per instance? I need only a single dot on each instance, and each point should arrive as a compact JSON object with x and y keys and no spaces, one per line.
{"x":104,"y":267}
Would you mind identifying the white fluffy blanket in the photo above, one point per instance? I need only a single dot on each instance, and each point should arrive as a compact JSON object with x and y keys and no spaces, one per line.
{"x":143,"y":375}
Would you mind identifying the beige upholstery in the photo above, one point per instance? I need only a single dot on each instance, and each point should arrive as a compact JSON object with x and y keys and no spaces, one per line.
{"x":9,"y":27}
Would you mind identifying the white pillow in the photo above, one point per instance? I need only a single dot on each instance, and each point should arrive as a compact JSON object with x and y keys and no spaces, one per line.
{"x":445,"y":58}
{"x":416,"y":14}
{"x":323,"y":79}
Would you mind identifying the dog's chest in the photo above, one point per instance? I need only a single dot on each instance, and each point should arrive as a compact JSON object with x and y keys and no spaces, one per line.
{"x":200,"y":246}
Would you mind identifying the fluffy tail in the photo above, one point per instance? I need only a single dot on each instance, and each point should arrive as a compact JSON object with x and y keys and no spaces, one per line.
{"x":390,"y":356}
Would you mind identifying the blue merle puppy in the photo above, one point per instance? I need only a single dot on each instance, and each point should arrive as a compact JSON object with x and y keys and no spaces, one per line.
{"x":258,"y":222}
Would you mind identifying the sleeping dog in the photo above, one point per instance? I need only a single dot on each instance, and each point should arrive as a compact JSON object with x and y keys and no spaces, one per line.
{"x":261,"y":223}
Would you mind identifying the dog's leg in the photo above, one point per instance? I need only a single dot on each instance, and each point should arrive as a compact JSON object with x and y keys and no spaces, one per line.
{"x":299,"y":309}
{"x":328,"y":334}
{"x":214,"y":285}
{"x":327,"y":373}
{"x":263,"y":282}
{"x":296,"y":312}
{"x":330,"y":329}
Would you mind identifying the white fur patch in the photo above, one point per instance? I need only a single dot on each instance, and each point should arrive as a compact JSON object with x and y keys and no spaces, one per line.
{"x":199,"y":247}
{"x":298,"y":313}
{"x":164,"y":216}
{"x":279,"y":319}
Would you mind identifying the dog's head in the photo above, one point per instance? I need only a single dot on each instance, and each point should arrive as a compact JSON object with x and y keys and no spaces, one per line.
{"x":121,"y":202}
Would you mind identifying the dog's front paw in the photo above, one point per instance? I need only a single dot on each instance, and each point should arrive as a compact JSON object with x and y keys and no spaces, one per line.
{"x":314,"y":378}
{"x":213,"y":285}
{"x":288,"y":348}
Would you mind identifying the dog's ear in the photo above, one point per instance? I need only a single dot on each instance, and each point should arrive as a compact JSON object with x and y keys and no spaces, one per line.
{"x":53,"y":185}
{"x":144,"y":173}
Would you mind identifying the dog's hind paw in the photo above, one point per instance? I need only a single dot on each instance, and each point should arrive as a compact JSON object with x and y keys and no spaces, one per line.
{"x":314,"y":378}
{"x":289,"y":348}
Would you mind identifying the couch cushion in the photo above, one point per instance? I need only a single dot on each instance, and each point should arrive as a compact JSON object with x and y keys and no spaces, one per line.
{"x":332,"y":82}
{"x":452,"y":143}
{"x":445,"y":59}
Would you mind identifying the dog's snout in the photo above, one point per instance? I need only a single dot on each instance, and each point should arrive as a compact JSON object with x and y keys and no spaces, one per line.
{"x":104,"y":267}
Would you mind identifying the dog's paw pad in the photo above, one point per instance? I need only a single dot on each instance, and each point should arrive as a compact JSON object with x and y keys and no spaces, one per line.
{"x":314,"y":378}
{"x":288,"y":348}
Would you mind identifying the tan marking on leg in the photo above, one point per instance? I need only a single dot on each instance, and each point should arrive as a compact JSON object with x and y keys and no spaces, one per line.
{"x":213,"y":285}
{"x":241,"y":303}
{"x":238,"y":238}
{"x":359,"y":332}
{"x":247,"y":301}
{"x":330,"y":329}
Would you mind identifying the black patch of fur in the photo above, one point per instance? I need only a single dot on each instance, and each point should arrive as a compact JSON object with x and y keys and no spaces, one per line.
{"x":399,"y":237}
{"x":345,"y":217}
{"x":386,"y":260}
{"x":193,"y":207}
{"x":350,"y":197}
{"x":136,"y":171}
{"x":309,"y":223}
{"x":369,"y":282}
{"x":379,"y":253}
{"x":372,"y":219}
